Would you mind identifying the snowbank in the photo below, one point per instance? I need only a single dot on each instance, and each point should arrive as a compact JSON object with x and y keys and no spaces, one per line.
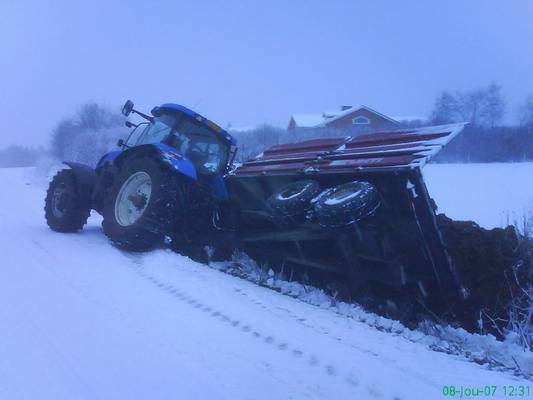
{"x":482,"y":349}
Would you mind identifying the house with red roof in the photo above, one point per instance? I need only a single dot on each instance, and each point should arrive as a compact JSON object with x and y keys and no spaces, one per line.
{"x":347,"y":118}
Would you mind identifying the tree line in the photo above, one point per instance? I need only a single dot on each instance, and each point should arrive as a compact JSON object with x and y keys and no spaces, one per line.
{"x":484,"y":107}
{"x":486,"y":138}
{"x":83,"y":137}
{"x":94,"y":129}
{"x":20,"y":156}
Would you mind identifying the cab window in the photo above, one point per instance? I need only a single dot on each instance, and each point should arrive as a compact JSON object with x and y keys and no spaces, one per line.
{"x":157,"y":131}
{"x":200,"y":145}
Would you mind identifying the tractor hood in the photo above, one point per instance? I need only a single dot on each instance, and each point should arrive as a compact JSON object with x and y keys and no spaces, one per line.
{"x":377,"y":151}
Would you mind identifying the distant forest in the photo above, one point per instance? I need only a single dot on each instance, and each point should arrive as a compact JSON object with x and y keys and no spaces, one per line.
{"x":486,"y":138}
{"x":20,"y":156}
{"x":480,"y":144}
{"x":93,"y":130}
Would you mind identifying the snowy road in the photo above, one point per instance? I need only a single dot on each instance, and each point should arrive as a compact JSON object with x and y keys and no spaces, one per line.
{"x":83,"y":320}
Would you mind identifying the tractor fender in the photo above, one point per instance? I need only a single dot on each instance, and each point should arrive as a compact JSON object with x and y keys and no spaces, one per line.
{"x":165,"y":153}
{"x":108,"y":158}
{"x":84,"y":176}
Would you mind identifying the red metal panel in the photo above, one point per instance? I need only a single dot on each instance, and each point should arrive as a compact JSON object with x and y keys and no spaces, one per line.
{"x":370,"y":162}
{"x":393,"y":138}
{"x":273,"y":168}
{"x":285,"y":160}
{"x":397,"y":149}
{"x":386,"y":147}
{"x":369,"y":153}
{"x":315,"y":145}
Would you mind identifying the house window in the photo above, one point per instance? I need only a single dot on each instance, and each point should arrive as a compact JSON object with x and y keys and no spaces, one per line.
{"x":360,"y":120}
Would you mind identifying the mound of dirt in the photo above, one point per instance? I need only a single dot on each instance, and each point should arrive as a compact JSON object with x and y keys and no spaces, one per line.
{"x":484,"y":260}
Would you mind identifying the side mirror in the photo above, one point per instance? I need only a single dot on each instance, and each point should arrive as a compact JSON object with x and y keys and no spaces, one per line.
{"x":120,"y":142}
{"x":128,"y":108}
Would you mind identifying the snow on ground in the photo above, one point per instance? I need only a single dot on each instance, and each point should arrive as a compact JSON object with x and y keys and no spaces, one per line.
{"x":83,"y":320}
{"x":493,"y":195}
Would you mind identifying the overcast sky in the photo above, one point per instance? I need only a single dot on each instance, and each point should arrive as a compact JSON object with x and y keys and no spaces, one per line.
{"x":251,"y":62}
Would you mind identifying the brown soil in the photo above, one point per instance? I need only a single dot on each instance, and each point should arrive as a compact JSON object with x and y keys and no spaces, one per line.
{"x":484,"y":260}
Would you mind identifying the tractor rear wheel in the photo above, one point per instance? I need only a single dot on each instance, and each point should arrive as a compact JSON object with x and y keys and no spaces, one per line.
{"x":66,"y":208}
{"x":140,"y":205}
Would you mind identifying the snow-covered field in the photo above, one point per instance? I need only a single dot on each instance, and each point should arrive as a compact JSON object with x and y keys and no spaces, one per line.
{"x":493,"y":195}
{"x":83,"y":320}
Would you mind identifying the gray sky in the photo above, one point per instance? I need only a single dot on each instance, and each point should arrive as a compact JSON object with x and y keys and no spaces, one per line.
{"x":251,"y":62}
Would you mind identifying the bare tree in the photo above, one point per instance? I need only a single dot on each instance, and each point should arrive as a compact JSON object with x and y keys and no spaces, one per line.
{"x":470,"y":104}
{"x":89,"y":134}
{"x":62,"y":134}
{"x":493,"y":105}
{"x":444,"y":109}
{"x":525,"y":113}
{"x":479,"y":107}
{"x":94,"y":116}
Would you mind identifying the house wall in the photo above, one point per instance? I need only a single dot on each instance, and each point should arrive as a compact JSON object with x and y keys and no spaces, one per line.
{"x":377,"y":122}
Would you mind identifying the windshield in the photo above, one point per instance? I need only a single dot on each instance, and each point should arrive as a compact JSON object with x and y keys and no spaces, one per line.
{"x":157,"y":131}
{"x":193,"y":140}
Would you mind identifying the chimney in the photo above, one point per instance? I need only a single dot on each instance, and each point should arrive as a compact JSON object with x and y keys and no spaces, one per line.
{"x":344,"y":108}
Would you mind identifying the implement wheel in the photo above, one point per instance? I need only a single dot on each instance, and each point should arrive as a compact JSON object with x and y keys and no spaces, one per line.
{"x":293,"y":200}
{"x":346,"y":204}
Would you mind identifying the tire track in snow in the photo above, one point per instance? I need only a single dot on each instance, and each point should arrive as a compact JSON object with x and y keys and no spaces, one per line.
{"x":329,"y":369}
{"x":324,"y":331}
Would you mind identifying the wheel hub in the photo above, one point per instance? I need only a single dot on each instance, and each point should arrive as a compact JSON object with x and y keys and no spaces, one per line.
{"x":60,"y":201}
{"x":133,"y":198}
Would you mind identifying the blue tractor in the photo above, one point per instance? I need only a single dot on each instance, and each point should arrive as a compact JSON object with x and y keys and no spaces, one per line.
{"x":356,"y":208}
{"x":166,"y":181}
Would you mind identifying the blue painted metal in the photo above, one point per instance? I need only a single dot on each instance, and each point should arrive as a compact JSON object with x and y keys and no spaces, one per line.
{"x":176,"y":160}
{"x":109,"y":157}
{"x":186,"y":167}
{"x":179,"y":163}
{"x":177,"y":107}
{"x":219,"y":187}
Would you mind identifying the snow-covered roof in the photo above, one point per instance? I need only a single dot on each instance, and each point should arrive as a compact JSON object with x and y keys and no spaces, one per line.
{"x":350,"y":110}
{"x":331,"y":114}
{"x":307,"y":120}
{"x":321,"y":120}
{"x":410,"y":118}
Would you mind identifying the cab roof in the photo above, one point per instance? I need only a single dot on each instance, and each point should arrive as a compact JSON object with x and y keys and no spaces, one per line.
{"x":173,"y":107}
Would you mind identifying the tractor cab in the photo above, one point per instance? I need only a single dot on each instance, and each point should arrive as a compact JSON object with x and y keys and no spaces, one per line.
{"x":207,"y":146}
